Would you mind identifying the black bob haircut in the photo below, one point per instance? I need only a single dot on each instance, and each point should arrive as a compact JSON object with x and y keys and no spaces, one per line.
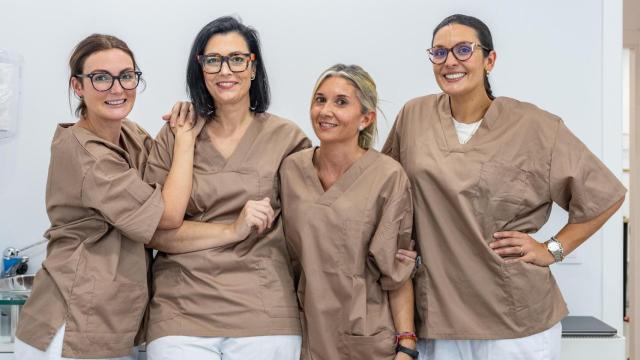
{"x":259,"y":93}
{"x":482,"y":32}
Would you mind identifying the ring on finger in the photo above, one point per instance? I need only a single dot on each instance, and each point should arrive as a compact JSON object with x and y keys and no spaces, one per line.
{"x":521,"y":251}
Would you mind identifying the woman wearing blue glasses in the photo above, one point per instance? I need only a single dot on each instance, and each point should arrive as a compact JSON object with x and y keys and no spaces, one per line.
{"x":485,"y":172}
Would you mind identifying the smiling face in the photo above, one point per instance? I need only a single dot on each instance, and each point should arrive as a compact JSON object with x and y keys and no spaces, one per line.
{"x":114,"y":104}
{"x":336,"y":112}
{"x":227,"y":87}
{"x":461,"y":78}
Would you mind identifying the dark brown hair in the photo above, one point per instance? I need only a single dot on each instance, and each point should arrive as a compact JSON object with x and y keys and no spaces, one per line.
{"x":91,"y":45}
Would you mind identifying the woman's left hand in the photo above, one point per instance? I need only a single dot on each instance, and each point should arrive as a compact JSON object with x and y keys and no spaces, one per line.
{"x":517,"y":246}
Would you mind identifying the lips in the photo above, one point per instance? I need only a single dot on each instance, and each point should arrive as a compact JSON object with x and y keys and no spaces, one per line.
{"x":226,"y":84}
{"x":115,"y":102}
{"x":326,"y":125}
{"x":454,"y":76}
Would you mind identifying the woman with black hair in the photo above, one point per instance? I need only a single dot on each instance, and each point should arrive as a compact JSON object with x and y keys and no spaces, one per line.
{"x":215,"y":296}
{"x":485,"y":172}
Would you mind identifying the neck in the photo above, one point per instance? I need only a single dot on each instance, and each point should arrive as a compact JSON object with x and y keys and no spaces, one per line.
{"x":232,"y":116}
{"x":336,"y":158}
{"x":107,"y":130}
{"x":470,"y":108}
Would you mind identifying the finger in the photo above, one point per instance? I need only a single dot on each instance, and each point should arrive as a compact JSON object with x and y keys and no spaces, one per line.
{"x":510,"y":251}
{"x":508,"y":234}
{"x":408,"y":253}
{"x":175,"y":112}
{"x":412,"y":244}
{"x":404,"y":258}
{"x":192,"y":115}
{"x":255,"y":223}
{"x":166,"y":117}
{"x":184,"y":113}
{"x":506,"y":242}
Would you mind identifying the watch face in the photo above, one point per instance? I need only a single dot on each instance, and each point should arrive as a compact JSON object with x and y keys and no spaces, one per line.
{"x":553,"y":246}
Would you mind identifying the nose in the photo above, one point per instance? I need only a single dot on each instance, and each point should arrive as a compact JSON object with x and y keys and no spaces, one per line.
{"x":225,"y":68}
{"x":116,"y":88}
{"x":450,"y":60}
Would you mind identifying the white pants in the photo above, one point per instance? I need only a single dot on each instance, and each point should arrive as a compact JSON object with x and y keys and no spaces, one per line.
{"x":278,"y":347}
{"x":544,"y":345}
{"x":24,"y":351}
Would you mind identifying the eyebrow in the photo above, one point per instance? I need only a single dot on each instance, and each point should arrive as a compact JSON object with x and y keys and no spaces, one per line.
{"x":109,"y":72}
{"x":229,"y":54}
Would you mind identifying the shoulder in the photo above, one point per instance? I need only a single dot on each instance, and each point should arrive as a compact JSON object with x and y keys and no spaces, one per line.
{"x":388,"y":168}
{"x":423,"y":101}
{"x":275,"y":123}
{"x":134,"y":130}
{"x":528,"y":112}
{"x":297,"y":159}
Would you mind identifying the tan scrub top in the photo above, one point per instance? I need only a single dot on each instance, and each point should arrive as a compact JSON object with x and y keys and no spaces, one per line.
{"x":520,"y":161}
{"x":345,"y":240}
{"x":245,"y":289}
{"x":94,"y":277}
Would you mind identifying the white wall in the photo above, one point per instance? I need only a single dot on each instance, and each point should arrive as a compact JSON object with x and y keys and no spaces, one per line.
{"x":561,"y":55}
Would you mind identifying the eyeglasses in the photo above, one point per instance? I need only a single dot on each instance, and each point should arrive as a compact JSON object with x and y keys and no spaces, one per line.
{"x":461,"y":51}
{"x":103,"y":81}
{"x":212,"y":64}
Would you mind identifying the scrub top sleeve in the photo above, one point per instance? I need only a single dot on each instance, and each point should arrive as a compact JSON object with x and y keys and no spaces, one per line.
{"x":301,"y":142}
{"x":392,"y":233}
{"x":392,"y":145}
{"x":579,"y":182}
{"x":160,"y":157}
{"x":126,"y":202}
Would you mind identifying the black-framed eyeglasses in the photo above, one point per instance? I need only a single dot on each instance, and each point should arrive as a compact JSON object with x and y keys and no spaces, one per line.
{"x":103,"y":81}
{"x":461,"y":51}
{"x":212,"y":64}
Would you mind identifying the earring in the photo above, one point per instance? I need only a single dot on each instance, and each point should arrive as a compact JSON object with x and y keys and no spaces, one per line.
{"x":253,"y":76}
{"x":487,"y":71}
{"x":361,"y":127}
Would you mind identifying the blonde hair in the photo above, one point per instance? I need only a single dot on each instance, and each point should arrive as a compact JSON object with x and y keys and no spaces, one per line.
{"x":367,"y":95}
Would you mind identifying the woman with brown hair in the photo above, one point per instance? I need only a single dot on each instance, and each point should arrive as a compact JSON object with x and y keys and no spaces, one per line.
{"x":89,"y":298}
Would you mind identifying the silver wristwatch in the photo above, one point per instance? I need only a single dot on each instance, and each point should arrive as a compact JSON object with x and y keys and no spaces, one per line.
{"x":555,"y":248}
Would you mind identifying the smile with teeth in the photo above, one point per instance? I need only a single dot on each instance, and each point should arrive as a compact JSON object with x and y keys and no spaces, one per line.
{"x":115,"y":102}
{"x":326,"y":125}
{"x":454,"y":76}
{"x":226,"y":84}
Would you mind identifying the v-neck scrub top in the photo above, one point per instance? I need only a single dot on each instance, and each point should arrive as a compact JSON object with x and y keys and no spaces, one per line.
{"x":245,"y":289}
{"x":345,"y":240}
{"x":94,"y":278}
{"x":506,"y":177}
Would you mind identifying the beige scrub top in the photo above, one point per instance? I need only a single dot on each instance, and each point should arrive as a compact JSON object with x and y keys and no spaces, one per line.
{"x":345,"y":240}
{"x":94,"y":277}
{"x":245,"y":289}
{"x":506,"y":177}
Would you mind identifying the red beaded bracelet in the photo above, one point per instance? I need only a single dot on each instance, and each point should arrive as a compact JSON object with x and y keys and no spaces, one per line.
{"x":405,"y":335}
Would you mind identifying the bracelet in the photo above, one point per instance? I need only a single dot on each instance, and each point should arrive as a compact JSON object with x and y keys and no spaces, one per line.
{"x":406,"y":335}
{"x":413,"y":353}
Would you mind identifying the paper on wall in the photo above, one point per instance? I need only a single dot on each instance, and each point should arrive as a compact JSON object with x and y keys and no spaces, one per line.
{"x":10,"y":66}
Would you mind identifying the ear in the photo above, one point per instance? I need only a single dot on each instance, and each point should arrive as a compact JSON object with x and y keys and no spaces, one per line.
{"x":76,"y":84}
{"x":490,"y":61}
{"x":368,"y":119}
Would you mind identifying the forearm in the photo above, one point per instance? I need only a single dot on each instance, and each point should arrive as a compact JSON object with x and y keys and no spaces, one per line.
{"x":177,"y":186}
{"x":573,"y":235}
{"x":193,"y":236}
{"x":401,"y":302}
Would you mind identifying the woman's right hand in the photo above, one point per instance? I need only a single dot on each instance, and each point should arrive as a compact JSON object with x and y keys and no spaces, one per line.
{"x":256,"y":215}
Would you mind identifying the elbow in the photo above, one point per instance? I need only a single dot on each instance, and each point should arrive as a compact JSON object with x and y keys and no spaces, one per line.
{"x":170,"y":221}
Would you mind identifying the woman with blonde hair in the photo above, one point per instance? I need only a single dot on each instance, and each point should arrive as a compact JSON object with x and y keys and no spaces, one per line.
{"x":347,"y":213}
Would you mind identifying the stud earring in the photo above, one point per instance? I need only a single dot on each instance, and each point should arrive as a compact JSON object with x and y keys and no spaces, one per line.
{"x":361,"y":127}
{"x":253,"y":76}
